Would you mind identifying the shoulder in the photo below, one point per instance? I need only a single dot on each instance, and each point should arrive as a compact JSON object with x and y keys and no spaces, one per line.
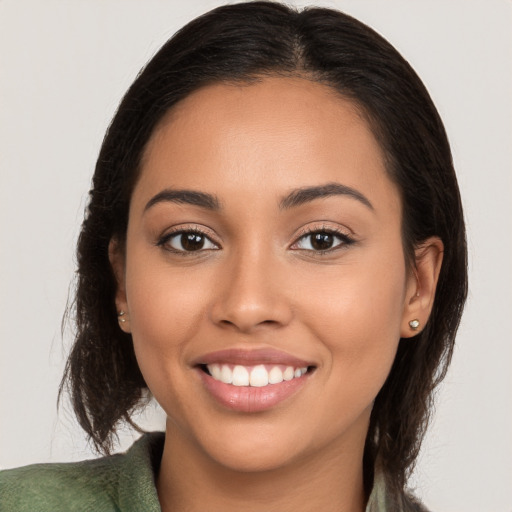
{"x":384,"y":499}
{"x":74,"y":486}
{"x":101,"y":484}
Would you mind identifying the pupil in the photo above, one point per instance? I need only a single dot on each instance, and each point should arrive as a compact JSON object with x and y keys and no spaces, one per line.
{"x":192,"y":241}
{"x":322,"y":241}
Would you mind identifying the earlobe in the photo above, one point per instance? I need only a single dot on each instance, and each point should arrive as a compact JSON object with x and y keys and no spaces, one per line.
{"x":117,"y":261}
{"x":421,"y":287}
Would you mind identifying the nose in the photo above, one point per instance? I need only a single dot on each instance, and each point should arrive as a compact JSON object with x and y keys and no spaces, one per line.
{"x":252,"y":295}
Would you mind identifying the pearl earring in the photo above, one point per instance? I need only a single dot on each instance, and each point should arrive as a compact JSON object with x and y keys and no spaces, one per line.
{"x":120,"y":316}
{"x":414,"y":324}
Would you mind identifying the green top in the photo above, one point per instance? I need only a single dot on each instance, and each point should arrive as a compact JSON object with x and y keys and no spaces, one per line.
{"x":119,"y":483}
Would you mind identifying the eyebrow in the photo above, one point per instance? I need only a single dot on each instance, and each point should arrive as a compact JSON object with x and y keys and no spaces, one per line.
{"x":293,"y":199}
{"x":308,"y":194}
{"x":201,"y":199}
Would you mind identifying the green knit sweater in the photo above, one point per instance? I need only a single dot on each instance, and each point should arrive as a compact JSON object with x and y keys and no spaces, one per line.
{"x":119,"y":483}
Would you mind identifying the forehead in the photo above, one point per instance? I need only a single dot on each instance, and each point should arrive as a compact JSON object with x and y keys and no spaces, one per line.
{"x":271,"y":135}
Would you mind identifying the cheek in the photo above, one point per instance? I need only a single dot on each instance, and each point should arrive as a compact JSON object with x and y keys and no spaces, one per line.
{"x":357,"y":321}
{"x":166,"y":306}
{"x":163,"y":297}
{"x":357,"y":313}
{"x":357,"y":299}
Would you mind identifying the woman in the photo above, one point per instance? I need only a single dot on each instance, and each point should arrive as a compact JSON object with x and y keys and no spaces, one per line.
{"x":274,"y":247}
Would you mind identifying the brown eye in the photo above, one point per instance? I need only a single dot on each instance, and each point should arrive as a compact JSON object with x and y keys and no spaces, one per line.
{"x":188,"y":241}
{"x":192,"y":241}
{"x":322,"y":241}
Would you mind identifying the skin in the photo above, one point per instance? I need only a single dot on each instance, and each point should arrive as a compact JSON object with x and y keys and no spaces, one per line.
{"x":258,"y":284}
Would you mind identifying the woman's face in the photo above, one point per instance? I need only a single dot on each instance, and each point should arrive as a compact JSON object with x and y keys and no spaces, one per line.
{"x":264,"y":241}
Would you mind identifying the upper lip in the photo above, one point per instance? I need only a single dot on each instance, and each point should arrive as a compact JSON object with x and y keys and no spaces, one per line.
{"x":252,"y":357}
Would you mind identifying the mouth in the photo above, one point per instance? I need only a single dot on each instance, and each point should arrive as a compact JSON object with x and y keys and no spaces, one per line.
{"x":252,"y":381}
{"x":257,"y":376}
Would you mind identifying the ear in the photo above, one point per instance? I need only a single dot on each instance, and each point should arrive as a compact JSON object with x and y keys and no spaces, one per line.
{"x":116,"y":256}
{"x":421,"y":286}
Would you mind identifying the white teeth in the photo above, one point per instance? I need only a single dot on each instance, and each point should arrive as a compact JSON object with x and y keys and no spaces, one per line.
{"x":226,"y":375}
{"x":289,"y":373}
{"x":275,"y":375}
{"x":257,"y":376}
{"x":215,"y":371}
{"x":240,"y":376}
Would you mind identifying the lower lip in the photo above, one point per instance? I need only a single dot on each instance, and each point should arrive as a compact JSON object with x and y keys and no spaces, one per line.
{"x":248,"y":398}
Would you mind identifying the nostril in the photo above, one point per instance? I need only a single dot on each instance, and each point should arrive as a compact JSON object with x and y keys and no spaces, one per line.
{"x":245,"y":308}
{"x":247,"y":325}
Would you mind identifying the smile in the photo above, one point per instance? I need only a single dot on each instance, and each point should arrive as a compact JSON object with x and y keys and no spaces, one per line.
{"x":254,"y":376}
{"x":252,"y":381}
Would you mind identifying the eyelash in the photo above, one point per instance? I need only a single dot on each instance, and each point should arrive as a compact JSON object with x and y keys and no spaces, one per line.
{"x":164,"y":240}
{"x":345,"y":240}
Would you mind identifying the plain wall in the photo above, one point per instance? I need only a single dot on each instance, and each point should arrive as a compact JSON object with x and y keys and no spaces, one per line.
{"x":63,"y":69}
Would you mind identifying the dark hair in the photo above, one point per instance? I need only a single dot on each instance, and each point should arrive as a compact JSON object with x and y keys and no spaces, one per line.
{"x":241,"y":43}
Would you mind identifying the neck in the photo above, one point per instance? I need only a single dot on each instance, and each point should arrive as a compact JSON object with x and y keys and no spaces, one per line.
{"x":189,"y":480}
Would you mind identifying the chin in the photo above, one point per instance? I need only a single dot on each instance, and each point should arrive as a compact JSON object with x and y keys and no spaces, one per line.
{"x":254,"y":461}
{"x":258,"y":449}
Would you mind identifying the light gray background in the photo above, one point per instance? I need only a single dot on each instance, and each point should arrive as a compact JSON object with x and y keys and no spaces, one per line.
{"x":64,"y":66}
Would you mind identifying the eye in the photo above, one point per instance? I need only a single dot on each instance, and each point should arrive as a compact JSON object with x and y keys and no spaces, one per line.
{"x":322,"y":241}
{"x":187,"y":241}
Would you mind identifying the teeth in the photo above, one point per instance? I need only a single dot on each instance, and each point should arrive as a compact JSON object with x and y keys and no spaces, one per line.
{"x":275,"y":375}
{"x":257,"y":376}
{"x":240,"y":376}
{"x":289,"y":373}
{"x":216,"y":371}
{"x":226,"y":375}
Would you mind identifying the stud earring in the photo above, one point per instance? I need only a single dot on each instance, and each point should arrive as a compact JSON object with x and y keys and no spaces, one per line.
{"x":414,"y":324}
{"x":120,"y":316}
